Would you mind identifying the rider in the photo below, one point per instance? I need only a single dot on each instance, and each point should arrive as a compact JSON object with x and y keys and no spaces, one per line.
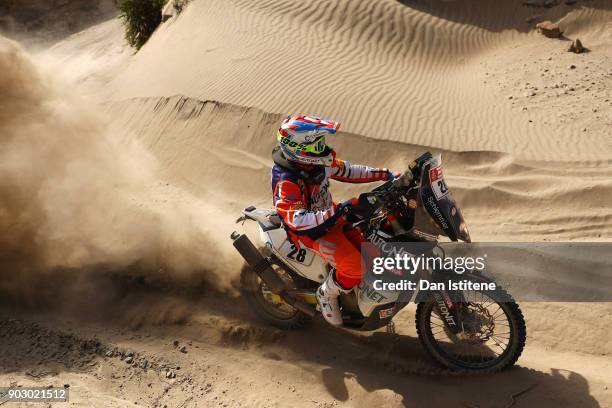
{"x":300,"y":183}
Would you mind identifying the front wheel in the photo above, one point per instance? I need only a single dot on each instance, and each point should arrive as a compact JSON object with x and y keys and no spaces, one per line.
{"x":492,"y":340}
{"x":268,"y":306}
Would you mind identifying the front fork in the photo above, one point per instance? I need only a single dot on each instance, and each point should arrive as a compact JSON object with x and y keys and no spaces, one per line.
{"x":448,"y":309}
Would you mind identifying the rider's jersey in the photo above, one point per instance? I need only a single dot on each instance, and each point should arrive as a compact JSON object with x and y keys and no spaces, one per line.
{"x":306,"y":208}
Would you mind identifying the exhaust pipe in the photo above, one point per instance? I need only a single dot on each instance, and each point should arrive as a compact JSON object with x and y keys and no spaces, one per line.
{"x":261,"y":266}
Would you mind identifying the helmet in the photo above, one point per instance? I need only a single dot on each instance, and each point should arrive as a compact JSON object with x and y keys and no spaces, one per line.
{"x":302,"y":139}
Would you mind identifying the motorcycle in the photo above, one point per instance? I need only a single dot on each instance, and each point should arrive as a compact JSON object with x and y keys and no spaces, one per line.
{"x":481,"y":334}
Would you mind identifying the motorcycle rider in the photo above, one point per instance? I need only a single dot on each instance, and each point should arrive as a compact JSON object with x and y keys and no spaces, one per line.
{"x":303,"y":166}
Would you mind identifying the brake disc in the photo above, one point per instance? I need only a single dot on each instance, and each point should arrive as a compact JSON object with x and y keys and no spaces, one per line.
{"x":478,"y":324}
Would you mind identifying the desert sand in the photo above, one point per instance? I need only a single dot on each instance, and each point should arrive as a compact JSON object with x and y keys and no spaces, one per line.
{"x":121,"y":175}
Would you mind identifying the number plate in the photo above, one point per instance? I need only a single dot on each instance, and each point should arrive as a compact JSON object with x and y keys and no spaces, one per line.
{"x":300,"y":255}
{"x":437,"y":183}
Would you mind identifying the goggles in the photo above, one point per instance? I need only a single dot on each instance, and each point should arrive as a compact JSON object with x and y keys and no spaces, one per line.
{"x":316,"y":147}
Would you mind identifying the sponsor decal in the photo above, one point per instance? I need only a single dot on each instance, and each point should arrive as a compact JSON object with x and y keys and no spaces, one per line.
{"x":387,"y":248}
{"x":369,"y":292}
{"x":437,"y":213}
{"x":444,"y":312}
{"x":448,"y":301}
{"x":320,"y":198}
{"x":385,"y":313}
{"x":292,"y":143}
{"x":311,"y":137}
{"x":297,"y":207}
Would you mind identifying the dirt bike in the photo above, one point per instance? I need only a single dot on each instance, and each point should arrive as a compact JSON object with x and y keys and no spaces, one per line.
{"x":280,"y":281}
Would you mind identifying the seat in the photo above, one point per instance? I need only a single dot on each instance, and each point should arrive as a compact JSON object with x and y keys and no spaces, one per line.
{"x":266,"y":217}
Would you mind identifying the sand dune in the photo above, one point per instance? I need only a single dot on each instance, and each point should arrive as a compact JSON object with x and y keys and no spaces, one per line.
{"x":498,"y":192}
{"x":426,"y":75}
{"x":388,"y":70}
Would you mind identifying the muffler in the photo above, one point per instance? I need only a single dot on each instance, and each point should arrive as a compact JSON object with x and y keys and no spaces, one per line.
{"x":261,"y":266}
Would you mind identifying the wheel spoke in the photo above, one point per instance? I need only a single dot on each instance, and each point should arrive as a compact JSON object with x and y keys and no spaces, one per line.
{"x":479,"y":345}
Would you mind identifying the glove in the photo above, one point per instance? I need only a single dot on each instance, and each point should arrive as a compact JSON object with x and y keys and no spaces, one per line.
{"x":343,"y":206}
{"x":399,"y":179}
{"x":392,"y":175}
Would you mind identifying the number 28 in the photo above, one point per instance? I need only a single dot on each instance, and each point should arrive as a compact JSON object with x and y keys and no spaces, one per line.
{"x":297,"y":254}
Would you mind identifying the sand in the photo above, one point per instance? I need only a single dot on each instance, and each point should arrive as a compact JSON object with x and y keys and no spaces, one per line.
{"x":525,"y":139}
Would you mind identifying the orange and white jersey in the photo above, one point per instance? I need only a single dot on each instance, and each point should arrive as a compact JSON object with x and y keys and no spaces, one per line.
{"x":307,"y":209}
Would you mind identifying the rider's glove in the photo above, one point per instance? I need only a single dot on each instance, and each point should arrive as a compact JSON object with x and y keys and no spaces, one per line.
{"x":343,"y":206}
{"x":392,"y":175}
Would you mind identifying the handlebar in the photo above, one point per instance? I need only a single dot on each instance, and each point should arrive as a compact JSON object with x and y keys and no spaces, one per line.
{"x":380,"y":195}
{"x":404,"y":180}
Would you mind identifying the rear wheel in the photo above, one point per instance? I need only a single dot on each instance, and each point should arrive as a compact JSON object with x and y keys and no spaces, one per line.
{"x":269,"y":306}
{"x":493,"y":338}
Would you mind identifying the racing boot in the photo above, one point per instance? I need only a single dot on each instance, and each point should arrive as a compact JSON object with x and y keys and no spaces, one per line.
{"x":327,"y":297}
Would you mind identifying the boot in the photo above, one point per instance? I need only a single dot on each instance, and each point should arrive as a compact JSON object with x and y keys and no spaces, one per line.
{"x":327,"y":297}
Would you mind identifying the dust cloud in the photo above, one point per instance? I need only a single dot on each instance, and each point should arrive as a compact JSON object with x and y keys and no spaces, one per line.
{"x":77,"y":199}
